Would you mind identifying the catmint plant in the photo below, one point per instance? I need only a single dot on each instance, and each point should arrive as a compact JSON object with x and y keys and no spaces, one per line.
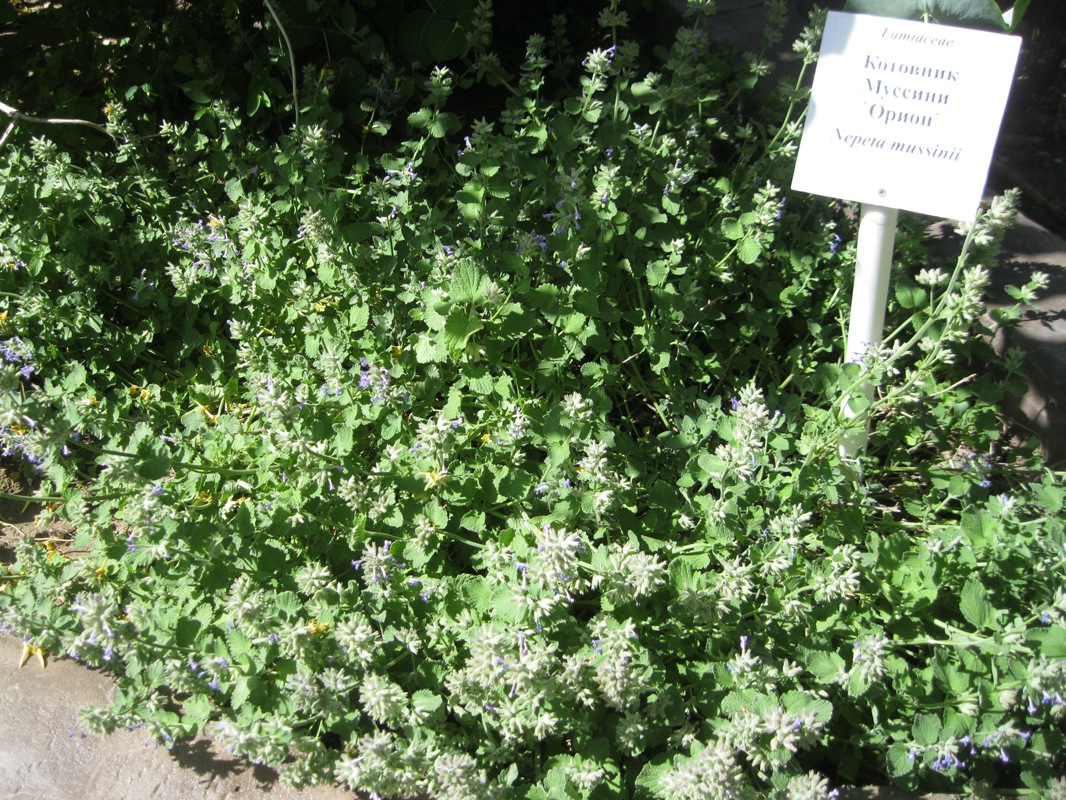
{"x":473,"y":433}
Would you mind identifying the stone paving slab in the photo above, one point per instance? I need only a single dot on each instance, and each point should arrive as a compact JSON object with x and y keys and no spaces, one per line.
{"x":45,"y":756}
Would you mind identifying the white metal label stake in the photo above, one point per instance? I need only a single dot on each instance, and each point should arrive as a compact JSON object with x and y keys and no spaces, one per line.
{"x":903,"y":115}
{"x":869,"y":297}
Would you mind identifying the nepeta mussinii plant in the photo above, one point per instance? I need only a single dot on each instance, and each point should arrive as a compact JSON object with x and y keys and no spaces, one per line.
{"x":499,"y":457}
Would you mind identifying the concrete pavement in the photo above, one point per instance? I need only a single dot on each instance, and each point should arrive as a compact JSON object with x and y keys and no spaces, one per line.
{"x":45,"y":754}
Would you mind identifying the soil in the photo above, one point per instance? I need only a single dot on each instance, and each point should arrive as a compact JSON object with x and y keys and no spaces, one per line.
{"x":17,"y":517}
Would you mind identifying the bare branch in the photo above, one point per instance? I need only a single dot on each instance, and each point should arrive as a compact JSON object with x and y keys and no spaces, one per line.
{"x":18,"y":116}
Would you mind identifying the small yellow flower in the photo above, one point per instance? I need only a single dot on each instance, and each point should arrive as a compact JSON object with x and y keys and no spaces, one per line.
{"x":315,"y":627}
{"x":434,"y":478}
{"x":32,"y":650}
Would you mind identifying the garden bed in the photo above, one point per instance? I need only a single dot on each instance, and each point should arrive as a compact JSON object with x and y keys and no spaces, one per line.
{"x":444,"y":419}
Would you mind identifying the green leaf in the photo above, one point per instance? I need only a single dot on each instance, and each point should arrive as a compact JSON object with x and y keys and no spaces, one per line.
{"x":194,"y":91}
{"x":900,"y":760}
{"x":479,"y":380}
{"x":1052,"y":641}
{"x":658,"y":271}
{"x":426,"y":701}
{"x":974,"y":605}
{"x":241,"y":691}
{"x":420,"y":118}
{"x":926,"y":729}
{"x":459,"y":328}
{"x":358,"y":317}
{"x":858,"y":684}
{"x":749,"y":250}
{"x":732,"y":229}
{"x":75,"y":378}
{"x":443,"y":124}
{"x":910,"y":295}
{"x":197,"y":710}
{"x":154,"y":460}
{"x":234,"y":190}
{"x":711,"y":464}
{"x":429,"y":350}
{"x":825,"y":666}
{"x":1014,"y":16}
{"x":473,"y":521}
{"x":647,"y":782}
{"x":468,"y":285}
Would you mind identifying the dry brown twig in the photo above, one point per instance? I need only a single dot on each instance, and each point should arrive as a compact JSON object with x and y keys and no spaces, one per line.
{"x":17,"y":116}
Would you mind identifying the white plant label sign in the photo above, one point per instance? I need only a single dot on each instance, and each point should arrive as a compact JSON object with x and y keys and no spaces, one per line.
{"x":905,"y":114}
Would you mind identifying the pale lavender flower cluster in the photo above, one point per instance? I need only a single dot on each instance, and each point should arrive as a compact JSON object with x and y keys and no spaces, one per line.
{"x":376,"y":565}
{"x":16,"y":351}
{"x":711,"y":773}
{"x":377,"y":379}
{"x":100,"y":628}
{"x":202,"y":244}
{"x":752,"y":424}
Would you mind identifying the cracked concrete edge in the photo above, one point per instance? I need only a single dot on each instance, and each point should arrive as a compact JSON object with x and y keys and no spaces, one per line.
{"x":46,"y":755}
